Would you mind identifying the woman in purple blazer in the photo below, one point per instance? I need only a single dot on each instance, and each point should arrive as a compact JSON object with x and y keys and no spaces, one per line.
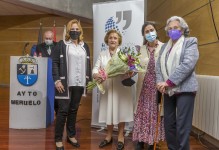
{"x":176,"y":79}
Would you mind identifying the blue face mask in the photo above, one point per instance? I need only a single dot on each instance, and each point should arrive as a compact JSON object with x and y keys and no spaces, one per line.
{"x":151,"y":36}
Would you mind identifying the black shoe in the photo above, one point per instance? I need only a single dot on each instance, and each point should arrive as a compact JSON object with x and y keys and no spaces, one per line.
{"x":72,"y":143}
{"x":120,"y":145}
{"x":105,"y":143}
{"x":60,"y":148}
{"x":139,"y":146}
{"x":150,"y":147}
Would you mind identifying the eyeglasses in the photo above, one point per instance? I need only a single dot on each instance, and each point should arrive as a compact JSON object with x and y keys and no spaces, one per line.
{"x":74,"y":29}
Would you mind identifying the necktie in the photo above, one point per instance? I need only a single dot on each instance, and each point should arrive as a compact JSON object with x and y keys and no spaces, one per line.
{"x":49,"y":50}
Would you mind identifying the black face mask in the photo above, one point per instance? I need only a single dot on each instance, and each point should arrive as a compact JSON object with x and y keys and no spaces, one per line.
{"x":74,"y":35}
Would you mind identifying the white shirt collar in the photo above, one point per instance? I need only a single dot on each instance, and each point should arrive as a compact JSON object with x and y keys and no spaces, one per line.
{"x":81,"y":43}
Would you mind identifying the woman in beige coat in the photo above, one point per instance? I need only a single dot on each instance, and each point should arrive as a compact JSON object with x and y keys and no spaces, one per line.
{"x":116,"y":105}
{"x":145,"y":119}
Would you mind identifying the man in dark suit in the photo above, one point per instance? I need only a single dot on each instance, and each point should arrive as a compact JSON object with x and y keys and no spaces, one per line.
{"x":45,"y":49}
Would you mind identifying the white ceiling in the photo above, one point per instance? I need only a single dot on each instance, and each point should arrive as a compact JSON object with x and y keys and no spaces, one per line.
{"x":65,"y":8}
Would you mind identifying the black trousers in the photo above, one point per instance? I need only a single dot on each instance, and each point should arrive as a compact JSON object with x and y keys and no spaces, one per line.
{"x":56,"y":106}
{"x":67,"y":113}
{"x":178,"y":113}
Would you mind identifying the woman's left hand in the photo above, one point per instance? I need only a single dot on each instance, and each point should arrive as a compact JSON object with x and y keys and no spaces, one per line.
{"x":128,"y":75}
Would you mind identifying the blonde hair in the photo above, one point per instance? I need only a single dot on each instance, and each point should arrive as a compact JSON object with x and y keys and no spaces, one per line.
{"x":68,"y":29}
{"x":113,"y":31}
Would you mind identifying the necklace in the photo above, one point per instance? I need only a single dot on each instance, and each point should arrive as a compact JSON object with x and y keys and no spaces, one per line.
{"x":111,"y":53}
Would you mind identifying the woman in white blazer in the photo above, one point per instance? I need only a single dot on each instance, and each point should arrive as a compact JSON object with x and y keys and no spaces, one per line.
{"x":116,"y":105}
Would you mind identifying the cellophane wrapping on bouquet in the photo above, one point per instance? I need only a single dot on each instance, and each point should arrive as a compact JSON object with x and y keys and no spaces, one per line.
{"x":124,"y":61}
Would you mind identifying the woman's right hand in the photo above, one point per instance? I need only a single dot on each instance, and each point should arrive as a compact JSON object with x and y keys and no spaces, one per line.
{"x":97,"y":77}
{"x":161,"y":86}
{"x":60,"y":87}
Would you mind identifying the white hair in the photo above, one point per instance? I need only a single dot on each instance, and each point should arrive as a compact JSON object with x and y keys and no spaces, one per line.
{"x":182,"y":24}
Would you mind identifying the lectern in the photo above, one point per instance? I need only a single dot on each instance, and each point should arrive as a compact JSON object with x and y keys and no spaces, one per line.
{"x":31,"y":101}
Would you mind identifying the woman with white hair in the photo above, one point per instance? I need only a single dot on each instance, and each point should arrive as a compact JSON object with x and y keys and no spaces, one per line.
{"x":176,"y":78}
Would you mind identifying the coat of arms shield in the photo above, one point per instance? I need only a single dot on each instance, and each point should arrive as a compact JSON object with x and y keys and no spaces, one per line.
{"x":27,"y":74}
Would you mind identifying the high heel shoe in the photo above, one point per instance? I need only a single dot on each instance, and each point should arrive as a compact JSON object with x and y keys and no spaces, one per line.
{"x":60,"y":148}
{"x":72,"y":143}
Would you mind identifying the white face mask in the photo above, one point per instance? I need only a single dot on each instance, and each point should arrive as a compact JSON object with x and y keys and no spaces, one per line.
{"x":48,"y":42}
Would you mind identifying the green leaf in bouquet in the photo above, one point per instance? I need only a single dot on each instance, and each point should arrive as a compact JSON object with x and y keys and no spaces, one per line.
{"x":92,"y":84}
{"x":100,"y":87}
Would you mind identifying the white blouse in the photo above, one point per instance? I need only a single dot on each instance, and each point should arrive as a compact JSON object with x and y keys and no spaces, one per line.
{"x":76,"y":65}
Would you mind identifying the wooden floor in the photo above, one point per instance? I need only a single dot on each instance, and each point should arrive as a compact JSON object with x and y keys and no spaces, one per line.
{"x":43,"y":139}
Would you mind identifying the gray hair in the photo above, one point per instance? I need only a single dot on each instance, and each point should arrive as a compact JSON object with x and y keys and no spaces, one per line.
{"x":49,"y":31}
{"x":182,"y":24}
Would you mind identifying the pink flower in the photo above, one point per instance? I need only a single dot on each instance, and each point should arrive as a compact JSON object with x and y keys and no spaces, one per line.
{"x":103,"y":74}
{"x":130,"y":60}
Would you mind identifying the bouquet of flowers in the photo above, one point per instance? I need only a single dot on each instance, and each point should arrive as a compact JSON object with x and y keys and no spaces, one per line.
{"x":125,"y":61}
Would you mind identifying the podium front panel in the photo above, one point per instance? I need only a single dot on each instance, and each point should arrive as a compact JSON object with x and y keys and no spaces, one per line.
{"x":28,"y":93}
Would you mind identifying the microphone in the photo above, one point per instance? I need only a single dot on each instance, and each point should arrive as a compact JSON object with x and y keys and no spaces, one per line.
{"x":24,"y":49}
